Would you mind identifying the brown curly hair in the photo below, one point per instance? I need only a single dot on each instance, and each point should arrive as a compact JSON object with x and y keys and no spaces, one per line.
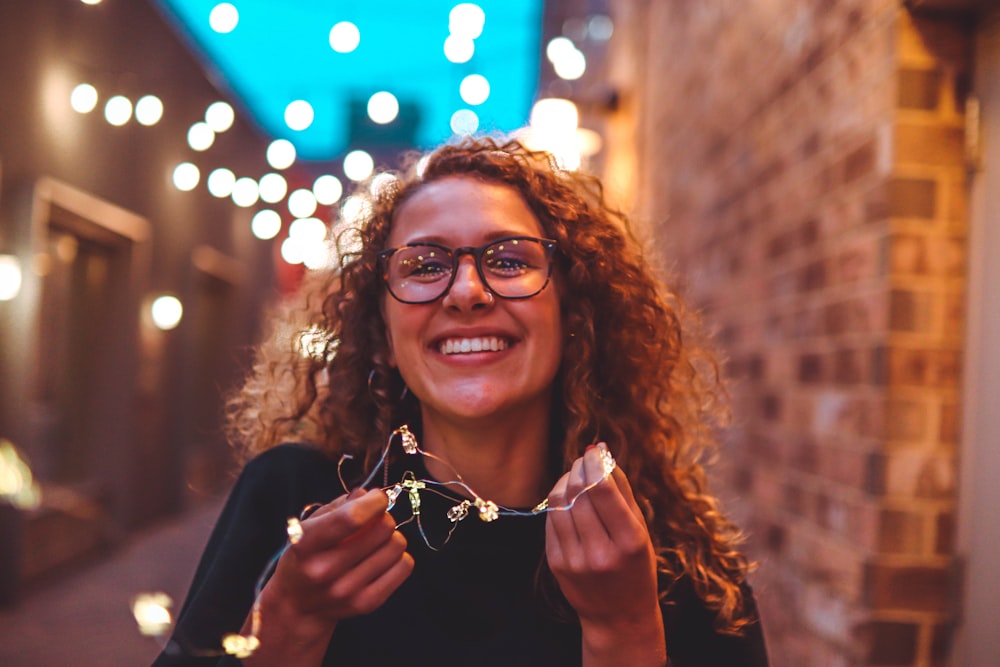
{"x":636,"y":373}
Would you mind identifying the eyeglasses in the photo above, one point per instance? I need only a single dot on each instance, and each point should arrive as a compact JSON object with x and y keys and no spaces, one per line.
{"x":516,"y":267}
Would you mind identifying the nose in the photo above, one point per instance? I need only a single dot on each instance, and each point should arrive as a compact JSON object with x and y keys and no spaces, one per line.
{"x":468,"y":291}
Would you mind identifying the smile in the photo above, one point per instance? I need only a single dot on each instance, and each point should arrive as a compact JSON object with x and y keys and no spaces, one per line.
{"x":467,"y":345}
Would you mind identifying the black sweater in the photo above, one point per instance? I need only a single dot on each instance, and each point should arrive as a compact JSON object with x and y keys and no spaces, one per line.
{"x":473,"y":603}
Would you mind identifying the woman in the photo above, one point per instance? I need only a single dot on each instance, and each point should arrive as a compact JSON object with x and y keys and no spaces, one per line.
{"x":501,"y":311}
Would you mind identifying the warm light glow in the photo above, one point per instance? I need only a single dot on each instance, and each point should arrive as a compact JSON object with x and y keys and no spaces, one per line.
{"x":220,"y":116}
{"x":166,"y":312}
{"x":186,"y":176}
{"x":299,"y":115}
{"x":327,"y":189}
{"x":319,"y":256}
{"x":559,"y":47}
{"x":91,"y":2}
{"x":464,"y":121}
{"x":245,"y":192}
{"x":344,"y":37}
{"x":554,"y":115}
{"x":224,"y":18}
{"x":273,"y":188}
{"x":382,"y":183}
{"x":118,"y":110}
{"x":459,"y":49}
{"x":265,"y":224}
{"x":83,"y":99}
{"x":355,"y":210}
{"x":10,"y":277}
{"x":307,"y":230}
{"x":383,"y":107}
{"x":422,"y":165}
{"x":200,"y":137}
{"x":292,"y":250}
{"x":152,"y":613}
{"x":149,"y":110}
{"x":220,"y":182}
{"x":466,"y":20}
{"x":281,"y":154}
{"x":358,"y":165}
{"x":570,"y":66}
{"x":302,"y":203}
{"x":17,"y":484}
{"x":474,"y":89}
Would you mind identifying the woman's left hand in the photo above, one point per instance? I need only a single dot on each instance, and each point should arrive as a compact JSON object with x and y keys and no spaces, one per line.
{"x":601,"y":554}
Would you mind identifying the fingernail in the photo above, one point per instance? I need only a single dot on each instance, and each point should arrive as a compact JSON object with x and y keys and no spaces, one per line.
{"x":589,"y":447}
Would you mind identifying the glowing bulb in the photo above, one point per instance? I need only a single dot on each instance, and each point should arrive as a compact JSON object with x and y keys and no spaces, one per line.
{"x":302,"y":203}
{"x":358,"y":165}
{"x":554,"y":115}
{"x":200,"y":137}
{"x":245,"y":193}
{"x":464,"y":121}
{"x":118,"y":110}
{"x":186,"y":176}
{"x":292,"y":250}
{"x":10,"y":277}
{"x":466,"y":20}
{"x":265,"y":224}
{"x":273,"y":188}
{"x":474,"y":89}
{"x":91,"y":2}
{"x":328,"y":189}
{"x":152,"y":613}
{"x":149,"y":110}
{"x":571,"y":65}
{"x":220,"y":182}
{"x":558,"y":47}
{"x":344,"y":37}
{"x":83,"y":99}
{"x":459,"y":49}
{"x":281,"y":154}
{"x":299,"y":115}
{"x":383,"y":107}
{"x":167,"y":312}
{"x":219,"y":116}
{"x":224,"y":18}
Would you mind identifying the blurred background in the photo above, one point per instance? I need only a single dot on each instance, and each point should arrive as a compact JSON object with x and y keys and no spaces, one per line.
{"x":822,"y":176}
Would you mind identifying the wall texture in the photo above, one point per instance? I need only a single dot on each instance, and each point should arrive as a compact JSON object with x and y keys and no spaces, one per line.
{"x":801,"y":165}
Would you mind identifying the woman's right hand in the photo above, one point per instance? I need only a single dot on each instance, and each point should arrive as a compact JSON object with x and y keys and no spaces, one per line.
{"x":348,"y":562}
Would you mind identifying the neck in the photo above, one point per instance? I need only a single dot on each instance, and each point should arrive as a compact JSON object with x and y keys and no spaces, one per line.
{"x":503,"y":459}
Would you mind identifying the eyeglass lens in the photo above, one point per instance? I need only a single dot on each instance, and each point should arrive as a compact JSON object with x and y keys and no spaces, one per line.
{"x":512,"y":268}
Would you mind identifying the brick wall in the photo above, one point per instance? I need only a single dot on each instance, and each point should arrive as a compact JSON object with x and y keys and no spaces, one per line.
{"x":801,"y":165}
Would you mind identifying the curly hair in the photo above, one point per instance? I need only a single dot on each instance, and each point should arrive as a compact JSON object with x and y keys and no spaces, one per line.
{"x":636,"y":372}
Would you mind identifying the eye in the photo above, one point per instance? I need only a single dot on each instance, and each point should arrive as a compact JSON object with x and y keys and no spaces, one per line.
{"x":423,"y":264}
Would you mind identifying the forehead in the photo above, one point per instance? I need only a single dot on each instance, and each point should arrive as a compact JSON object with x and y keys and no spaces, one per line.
{"x":459,"y":210}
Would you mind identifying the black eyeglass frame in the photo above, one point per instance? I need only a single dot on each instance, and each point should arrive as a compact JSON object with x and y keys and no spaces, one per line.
{"x":549,"y":246}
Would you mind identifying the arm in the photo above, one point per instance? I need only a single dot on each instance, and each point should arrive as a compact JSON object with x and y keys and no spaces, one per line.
{"x":602,"y":556}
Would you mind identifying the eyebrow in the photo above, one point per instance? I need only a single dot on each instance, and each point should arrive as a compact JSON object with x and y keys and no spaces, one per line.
{"x":488,"y":238}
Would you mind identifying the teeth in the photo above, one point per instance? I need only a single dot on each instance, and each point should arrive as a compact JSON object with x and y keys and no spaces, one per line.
{"x":466,"y":345}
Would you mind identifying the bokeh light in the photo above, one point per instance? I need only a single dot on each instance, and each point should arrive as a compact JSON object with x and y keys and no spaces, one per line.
{"x":167,"y":312}
{"x":149,"y":110}
{"x":459,"y":49}
{"x":220,"y":116}
{"x":474,"y":89}
{"x":383,"y":107}
{"x":10,"y":277}
{"x":220,"y":182}
{"x":273,"y":188}
{"x":224,"y":18}
{"x":344,"y":37}
{"x":464,"y":122}
{"x":466,"y":20}
{"x":118,"y":110}
{"x":245,"y":192}
{"x":83,"y":99}
{"x":265,"y":224}
{"x":186,"y":176}
{"x":200,"y":137}
{"x":302,"y":203}
{"x":358,"y":165}
{"x":328,"y":189}
{"x":299,"y":115}
{"x":281,"y":154}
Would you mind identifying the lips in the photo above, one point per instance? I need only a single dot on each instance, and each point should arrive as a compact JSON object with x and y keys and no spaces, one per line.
{"x":463,"y":345}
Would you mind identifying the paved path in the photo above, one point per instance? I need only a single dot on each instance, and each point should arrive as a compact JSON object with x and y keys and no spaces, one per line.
{"x":85,"y":620}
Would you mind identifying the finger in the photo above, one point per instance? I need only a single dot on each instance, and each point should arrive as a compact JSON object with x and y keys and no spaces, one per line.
{"x":378,"y":591}
{"x":368,"y":570}
{"x":560,"y":520}
{"x":619,"y":517}
{"x":333,"y":527}
{"x":594,"y":535}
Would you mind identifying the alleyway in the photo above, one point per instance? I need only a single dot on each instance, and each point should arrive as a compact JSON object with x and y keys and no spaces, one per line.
{"x":85,"y":620}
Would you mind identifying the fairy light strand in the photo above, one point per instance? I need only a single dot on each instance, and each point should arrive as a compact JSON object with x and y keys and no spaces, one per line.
{"x":244,"y":645}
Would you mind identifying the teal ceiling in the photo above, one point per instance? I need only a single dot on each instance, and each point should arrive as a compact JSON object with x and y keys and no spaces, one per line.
{"x":280,"y":52}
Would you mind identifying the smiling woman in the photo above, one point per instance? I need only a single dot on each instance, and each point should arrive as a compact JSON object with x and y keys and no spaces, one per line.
{"x":497,"y":322}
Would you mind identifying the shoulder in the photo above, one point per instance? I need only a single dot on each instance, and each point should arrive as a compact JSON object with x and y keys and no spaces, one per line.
{"x":289,"y":476}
